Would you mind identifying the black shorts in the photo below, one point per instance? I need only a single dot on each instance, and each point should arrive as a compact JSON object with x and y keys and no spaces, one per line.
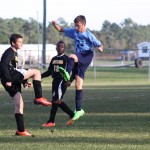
{"x":58,"y":89}
{"x":17,"y":78}
{"x":84,"y":60}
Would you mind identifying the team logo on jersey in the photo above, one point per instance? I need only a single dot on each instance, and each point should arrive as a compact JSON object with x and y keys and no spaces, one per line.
{"x":16,"y":58}
{"x":58,"y":62}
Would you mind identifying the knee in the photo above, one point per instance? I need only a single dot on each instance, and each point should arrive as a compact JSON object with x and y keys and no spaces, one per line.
{"x":18,"y":111}
{"x":74,"y":57}
{"x":78,"y":84}
{"x":19,"y":104}
{"x":37,"y":75}
{"x":19,"y":108}
{"x":57,"y":102}
{"x":37,"y":72}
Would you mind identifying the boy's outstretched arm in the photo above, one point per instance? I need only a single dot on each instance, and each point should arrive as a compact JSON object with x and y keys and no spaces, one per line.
{"x":57,"y":27}
{"x":100,"y":48}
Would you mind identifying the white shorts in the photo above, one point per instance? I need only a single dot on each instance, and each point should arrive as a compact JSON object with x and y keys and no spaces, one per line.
{"x":22,"y":71}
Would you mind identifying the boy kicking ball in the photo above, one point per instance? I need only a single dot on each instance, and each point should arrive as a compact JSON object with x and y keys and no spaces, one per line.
{"x":12,"y":78}
{"x":84,"y":41}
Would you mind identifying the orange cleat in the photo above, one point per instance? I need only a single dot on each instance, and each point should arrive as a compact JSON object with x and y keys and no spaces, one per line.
{"x":70,"y":122}
{"x":50,"y":124}
{"x":42,"y":101}
{"x":24,"y":133}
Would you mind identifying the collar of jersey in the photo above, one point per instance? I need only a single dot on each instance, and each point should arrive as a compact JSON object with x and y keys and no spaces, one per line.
{"x":60,"y":55}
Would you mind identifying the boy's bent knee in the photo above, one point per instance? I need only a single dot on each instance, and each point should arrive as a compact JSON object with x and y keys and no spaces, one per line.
{"x":36,"y":71}
{"x":57,"y":102}
{"x":74,"y":57}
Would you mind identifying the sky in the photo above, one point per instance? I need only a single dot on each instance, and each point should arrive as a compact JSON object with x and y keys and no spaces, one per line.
{"x":95,"y":11}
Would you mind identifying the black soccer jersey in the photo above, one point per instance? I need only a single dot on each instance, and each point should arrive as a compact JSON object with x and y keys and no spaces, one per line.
{"x":9,"y":61}
{"x":56,"y":62}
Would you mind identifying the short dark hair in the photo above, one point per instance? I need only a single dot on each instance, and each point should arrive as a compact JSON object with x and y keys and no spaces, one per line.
{"x":61,"y":42}
{"x":80,"y":18}
{"x":13,"y":38}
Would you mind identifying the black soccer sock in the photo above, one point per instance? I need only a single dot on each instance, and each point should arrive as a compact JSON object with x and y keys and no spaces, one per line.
{"x":37,"y":88}
{"x":66,"y":109}
{"x":78,"y":99}
{"x":20,"y":122}
{"x":53,"y":113}
{"x":70,"y":64}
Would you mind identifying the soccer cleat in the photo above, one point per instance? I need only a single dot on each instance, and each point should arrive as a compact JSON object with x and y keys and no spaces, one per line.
{"x":64,"y":73}
{"x":42,"y":101}
{"x":24,"y":133}
{"x":78,"y":114}
{"x":50,"y":124}
{"x":70,"y":122}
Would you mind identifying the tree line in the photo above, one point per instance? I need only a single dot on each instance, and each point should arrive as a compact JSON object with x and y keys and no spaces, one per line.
{"x":125,"y":35}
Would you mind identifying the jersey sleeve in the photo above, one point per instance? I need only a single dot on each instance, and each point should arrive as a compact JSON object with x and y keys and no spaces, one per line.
{"x":48,"y":72}
{"x":69,"y":32}
{"x":5,"y":60}
{"x":95,"y":41}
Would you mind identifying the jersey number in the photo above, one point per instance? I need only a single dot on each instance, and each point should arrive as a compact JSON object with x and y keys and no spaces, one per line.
{"x":56,"y":68}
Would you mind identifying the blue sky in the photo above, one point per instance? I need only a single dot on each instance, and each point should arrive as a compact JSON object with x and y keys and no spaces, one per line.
{"x":96,"y":11}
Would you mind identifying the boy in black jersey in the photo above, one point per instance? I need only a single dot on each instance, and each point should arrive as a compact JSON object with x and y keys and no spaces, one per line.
{"x":11,"y":79}
{"x":58,"y":84}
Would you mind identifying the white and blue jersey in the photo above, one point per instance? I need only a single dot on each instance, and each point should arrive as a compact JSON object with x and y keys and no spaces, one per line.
{"x":83,"y":44}
{"x":84,"y":41}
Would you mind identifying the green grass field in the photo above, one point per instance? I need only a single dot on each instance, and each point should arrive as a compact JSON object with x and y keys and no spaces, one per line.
{"x":117,"y":106}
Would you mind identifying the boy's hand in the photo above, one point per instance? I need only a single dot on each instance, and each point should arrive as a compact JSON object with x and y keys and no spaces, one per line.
{"x":54,"y":23}
{"x":9,"y":84}
{"x":100,"y":48}
{"x":27,"y":85}
{"x":57,"y":26}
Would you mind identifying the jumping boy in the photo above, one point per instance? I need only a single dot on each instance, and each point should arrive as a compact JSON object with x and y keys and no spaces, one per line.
{"x":84,"y":41}
{"x":11,"y":79}
{"x":58,"y":84}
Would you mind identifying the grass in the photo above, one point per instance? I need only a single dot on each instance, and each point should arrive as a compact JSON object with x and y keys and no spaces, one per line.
{"x":117,"y":116}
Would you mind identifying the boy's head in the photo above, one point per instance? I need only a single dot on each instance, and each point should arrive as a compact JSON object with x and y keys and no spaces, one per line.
{"x":60,"y":47}
{"x":16,"y":41}
{"x":80,"y":23}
